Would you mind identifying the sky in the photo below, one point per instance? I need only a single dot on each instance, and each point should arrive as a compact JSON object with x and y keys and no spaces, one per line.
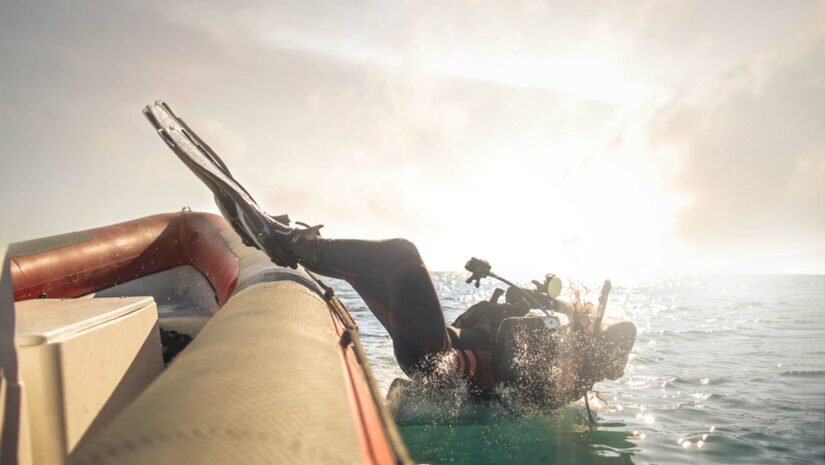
{"x":595,"y":138}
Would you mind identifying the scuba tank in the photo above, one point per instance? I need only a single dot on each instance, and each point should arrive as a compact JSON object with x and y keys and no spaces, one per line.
{"x":536,"y":355}
{"x":522,"y":343}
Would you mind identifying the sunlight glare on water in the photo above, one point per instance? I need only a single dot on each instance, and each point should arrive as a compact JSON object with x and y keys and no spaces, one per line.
{"x":724,"y":370}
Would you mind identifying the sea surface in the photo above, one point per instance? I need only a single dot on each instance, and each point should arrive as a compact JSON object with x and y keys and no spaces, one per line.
{"x":725,"y":370}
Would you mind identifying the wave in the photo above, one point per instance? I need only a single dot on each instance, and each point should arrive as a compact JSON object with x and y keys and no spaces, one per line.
{"x":803,"y":373}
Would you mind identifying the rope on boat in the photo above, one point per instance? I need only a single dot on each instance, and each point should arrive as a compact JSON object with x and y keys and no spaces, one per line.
{"x":350,"y":336}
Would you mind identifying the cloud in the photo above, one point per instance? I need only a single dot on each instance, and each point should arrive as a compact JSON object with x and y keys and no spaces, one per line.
{"x":421,"y":119}
{"x":752,"y":153}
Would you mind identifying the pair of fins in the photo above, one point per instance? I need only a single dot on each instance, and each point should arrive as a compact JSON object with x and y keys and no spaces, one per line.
{"x":270,"y":234}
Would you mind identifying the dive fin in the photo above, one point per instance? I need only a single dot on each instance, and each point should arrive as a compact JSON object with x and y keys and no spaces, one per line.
{"x":254,"y":225}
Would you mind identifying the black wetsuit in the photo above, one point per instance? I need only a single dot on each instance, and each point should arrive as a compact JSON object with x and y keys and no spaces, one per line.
{"x":394,"y":282}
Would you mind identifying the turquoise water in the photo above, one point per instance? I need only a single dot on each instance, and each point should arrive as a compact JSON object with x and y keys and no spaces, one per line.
{"x":724,"y":370}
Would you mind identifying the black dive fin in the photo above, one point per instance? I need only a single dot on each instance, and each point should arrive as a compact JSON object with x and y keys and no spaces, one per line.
{"x":254,"y":225}
{"x":208,"y":152}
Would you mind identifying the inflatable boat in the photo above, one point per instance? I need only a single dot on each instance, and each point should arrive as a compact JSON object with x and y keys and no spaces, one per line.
{"x":164,"y":340}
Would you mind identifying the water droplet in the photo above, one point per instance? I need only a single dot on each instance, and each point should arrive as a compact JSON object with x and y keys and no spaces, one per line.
{"x":686,"y":444}
{"x":704,"y":380}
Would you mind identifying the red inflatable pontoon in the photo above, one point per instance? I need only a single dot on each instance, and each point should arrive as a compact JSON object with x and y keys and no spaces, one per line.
{"x":275,"y":372}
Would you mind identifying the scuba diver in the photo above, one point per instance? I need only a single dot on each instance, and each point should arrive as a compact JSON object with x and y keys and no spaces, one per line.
{"x":392,"y":279}
{"x":490,"y":346}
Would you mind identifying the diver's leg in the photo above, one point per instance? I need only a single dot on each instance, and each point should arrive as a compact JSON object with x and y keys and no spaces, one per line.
{"x":394,"y":282}
{"x":366,"y":265}
{"x":375,"y":293}
{"x":354,"y":258}
{"x":416,"y":322}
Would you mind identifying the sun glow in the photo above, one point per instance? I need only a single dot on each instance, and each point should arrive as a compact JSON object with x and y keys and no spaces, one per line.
{"x":579,"y":78}
{"x":566,"y":209}
{"x":581,"y":197}
{"x":538,"y":135}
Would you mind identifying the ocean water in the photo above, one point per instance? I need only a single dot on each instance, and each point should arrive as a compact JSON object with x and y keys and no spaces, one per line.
{"x":725,"y":370}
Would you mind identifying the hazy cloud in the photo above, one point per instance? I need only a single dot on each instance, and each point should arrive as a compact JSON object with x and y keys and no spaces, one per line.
{"x":453,"y":124}
{"x":753,"y":153}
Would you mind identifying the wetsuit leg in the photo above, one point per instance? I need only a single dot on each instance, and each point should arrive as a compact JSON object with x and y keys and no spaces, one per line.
{"x":394,"y":282}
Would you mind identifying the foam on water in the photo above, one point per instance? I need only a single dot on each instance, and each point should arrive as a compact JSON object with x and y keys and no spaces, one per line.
{"x":724,"y":370}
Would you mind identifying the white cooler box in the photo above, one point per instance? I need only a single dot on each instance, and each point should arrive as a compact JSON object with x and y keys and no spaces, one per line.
{"x":81,"y":362}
